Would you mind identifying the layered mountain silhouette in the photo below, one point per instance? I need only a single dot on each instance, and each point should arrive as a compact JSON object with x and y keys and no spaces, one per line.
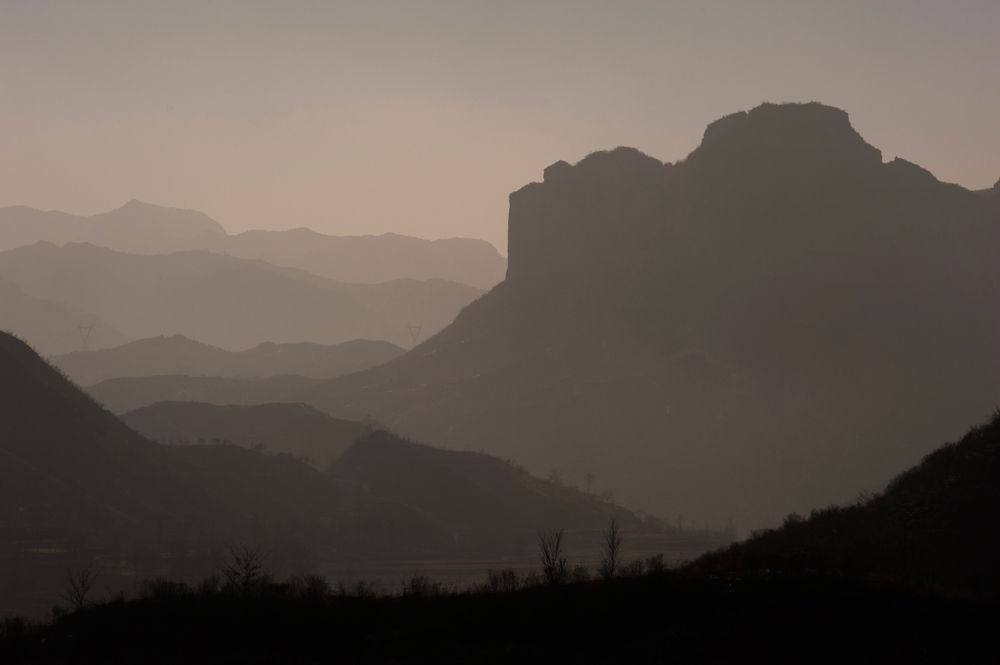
{"x":367,"y":259}
{"x":141,"y":228}
{"x":179,"y":355}
{"x":295,"y":429}
{"x":53,"y":327}
{"x":135,"y":227}
{"x":228,"y":302}
{"x":77,"y":485}
{"x":777,"y":322}
{"x":124,"y":395}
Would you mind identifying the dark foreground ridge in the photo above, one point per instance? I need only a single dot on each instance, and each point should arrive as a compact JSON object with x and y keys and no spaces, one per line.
{"x":904,"y":576}
{"x":659,"y":617}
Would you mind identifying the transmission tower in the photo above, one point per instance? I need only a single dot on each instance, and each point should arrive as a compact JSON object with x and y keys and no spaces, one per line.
{"x":84,"y":336}
{"x":414,"y":334}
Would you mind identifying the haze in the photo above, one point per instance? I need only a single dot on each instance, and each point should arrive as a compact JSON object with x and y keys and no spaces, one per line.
{"x":363,"y":118}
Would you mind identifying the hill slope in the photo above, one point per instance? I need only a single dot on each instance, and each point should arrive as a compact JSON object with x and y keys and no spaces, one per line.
{"x":225,"y":301}
{"x":939,"y":521}
{"x":777,"y":322}
{"x":180,"y":355}
{"x":295,"y":429}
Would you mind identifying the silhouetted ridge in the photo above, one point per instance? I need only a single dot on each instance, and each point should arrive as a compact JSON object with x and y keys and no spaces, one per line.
{"x":938,"y":521}
{"x":773,"y":135}
{"x":844,"y":301}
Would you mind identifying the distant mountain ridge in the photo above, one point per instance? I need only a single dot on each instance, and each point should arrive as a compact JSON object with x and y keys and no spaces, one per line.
{"x":294,"y":429}
{"x":136,"y":227}
{"x":226,"y":301}
{"x":180,"y":355}
{"x":774,"y":323}
{"x":53,"y":327}
{"x":127,"y":394}
{"x":141,"y":228}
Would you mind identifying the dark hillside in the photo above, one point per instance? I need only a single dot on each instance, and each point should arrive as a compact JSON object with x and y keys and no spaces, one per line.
{"x":295,"y":429}
{"x":777,"y":322}
{"x":159,"y":356}
{"x":937,"y":522}
{"x":72,"y":466}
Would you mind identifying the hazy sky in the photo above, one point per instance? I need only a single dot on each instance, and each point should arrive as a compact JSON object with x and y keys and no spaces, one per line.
{"x":421,"y":117}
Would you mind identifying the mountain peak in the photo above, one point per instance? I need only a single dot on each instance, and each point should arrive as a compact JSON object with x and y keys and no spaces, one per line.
{"x":792,"y":132}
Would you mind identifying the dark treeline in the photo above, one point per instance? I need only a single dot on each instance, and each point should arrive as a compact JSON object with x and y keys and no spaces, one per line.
{"x":652,"y":615}
{"x":938,"y":522}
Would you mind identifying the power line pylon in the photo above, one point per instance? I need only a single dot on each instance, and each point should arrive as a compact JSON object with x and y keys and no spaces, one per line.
{"x":414,"y":334}
{"x":84,"y":336}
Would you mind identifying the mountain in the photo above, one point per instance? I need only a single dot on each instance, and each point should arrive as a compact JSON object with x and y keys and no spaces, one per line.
{"x":501,"y":504}
{"x":939,"y":520}
{"x":367,"y":259}
{"x":180,"y":355}
{"x":295,"y":429}
{"x":779,"y":321}
{"x":78,"y":486}
{"x":135,"y":227}
{"x":52,"y":327}
{"x":124,"y":395}
{"x":228,"y":302}
{"x":141,"y":228}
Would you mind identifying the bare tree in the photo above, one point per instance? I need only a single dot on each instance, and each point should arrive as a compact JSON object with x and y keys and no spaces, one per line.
{"x":555,"y":567}
{"x":611,"y":551}
{"x":588,"y":478}
{"x":555,"y":476}
{"x":77,"y":585}
{"x":245,"y":568}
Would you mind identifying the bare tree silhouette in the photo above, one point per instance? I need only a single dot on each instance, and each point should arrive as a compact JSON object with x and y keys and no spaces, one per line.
{"x":245,"y":568}
{"x":611,"y":554}
{"x":77,"y":585}
{"x":555,"y":567}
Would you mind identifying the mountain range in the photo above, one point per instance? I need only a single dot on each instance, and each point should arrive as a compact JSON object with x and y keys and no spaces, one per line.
{"x":141,"y":228}
{"x":179,"y":355}
{"x":123,"y":395}
{"x":78,"y":485}
{"x":226,"y":301}
{"x":294,"y":429}
{"x":52,"y":327}
{"x":779,"y":321}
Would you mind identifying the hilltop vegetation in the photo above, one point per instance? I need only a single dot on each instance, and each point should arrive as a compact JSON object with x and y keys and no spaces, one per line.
{"x":938,"y":522}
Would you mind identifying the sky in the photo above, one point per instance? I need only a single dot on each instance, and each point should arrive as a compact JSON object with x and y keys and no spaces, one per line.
{"x":421,"y":117}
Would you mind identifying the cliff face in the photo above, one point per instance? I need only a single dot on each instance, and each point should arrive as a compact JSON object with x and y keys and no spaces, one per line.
{"x":772,"y":324}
